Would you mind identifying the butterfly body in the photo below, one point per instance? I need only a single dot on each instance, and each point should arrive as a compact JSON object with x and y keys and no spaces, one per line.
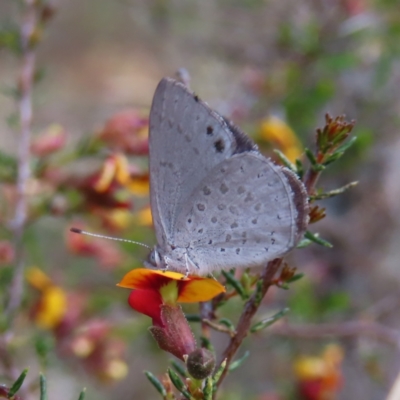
{"x":217,"y":203}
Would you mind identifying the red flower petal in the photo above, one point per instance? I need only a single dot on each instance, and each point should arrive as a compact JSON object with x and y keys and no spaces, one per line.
{"x":148,"y":303}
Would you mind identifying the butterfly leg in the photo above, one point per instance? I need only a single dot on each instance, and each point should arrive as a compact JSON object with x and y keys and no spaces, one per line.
{"x":166,"y":268}
{"x":187,"y":266}
{"x":193,"y":264}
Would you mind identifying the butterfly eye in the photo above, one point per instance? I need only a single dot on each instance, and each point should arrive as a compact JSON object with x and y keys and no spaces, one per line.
{"x":154,"y":258}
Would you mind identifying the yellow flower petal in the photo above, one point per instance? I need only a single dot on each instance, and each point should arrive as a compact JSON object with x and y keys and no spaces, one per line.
{"x":122,"y":169}
{"x":53,"y":306}
{"x":200,"y":289}
{"x":37,"y":278}
{"x":144,"y":217}
{"x":106,"y":176}
{"x":138,"y":186}
{"x":277,"y":131}
{"x":119,"y":218}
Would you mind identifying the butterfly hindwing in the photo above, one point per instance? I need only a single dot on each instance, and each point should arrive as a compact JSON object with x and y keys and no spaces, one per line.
{"x":242,"y":214}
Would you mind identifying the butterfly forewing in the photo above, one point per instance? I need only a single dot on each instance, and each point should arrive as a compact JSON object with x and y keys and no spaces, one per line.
{"x":187,"y":139}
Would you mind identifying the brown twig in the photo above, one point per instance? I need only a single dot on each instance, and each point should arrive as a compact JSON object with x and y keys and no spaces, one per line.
{"x":328,"y":140}
{"x":26,"y":77}
{"x":250,"y":309}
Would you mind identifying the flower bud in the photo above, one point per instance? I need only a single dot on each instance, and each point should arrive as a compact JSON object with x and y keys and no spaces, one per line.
{"x":200,"y":363}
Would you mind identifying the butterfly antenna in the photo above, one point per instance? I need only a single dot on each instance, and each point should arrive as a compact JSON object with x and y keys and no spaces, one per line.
{"x":80,"y":231}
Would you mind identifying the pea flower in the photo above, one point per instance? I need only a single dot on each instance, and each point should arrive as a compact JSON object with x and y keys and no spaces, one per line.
{"x":277,"y":132}
{"x":157,"y":295}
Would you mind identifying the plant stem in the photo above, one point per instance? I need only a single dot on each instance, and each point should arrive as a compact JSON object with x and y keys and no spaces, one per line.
{"x":250,"y":309}
{"x":25,"y":81}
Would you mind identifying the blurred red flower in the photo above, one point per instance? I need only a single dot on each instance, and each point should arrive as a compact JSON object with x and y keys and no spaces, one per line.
{"x":127,"y":131}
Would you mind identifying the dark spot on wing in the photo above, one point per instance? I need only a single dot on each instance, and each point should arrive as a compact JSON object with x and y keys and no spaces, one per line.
{"x":210,"y":130}
{"x":196,"y":98}
{"x":219,"y":145}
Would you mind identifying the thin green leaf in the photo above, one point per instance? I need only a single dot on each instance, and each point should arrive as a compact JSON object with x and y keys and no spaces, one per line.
{"x":269,"y":321}
{"x":18,"y":383}
{"x":300,"y":168}
{"x":235,"y":284}
{"x":219,"y":372}
{"x":208,"y":389}
{"x":179,"y":368}
{"x":332,"y":193}
{"x":345,"y":146}
{"x":156,"y":383}
{"x":82,"y":395}
{"x":10,"y":37}
{"x":236,"y":364}
{"x":43,"y":387}
{"x":206,"y":343}
{"x":176,"y":380}
{"x":193,"y":317}
{"x":285,"y":161}
{"x":339,"y":151}
{"x":283,"y":286}
{"x":303,"y":243}
{"x":295,"y":278}
{"x":227,"y":323}
{"x":310,"y":156}
{"x":258,"y":293}
{"x":314,"y":237}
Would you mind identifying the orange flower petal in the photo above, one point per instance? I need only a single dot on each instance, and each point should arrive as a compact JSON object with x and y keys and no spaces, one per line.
{"x":199,"y":289}
{"x":149,"y":279}
{"x":106,"y":176}
{"x":191,"y":289}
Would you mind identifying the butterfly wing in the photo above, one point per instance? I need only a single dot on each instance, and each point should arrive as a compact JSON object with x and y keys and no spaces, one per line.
{"x":245,"y":212}
{"x":187,"y":140}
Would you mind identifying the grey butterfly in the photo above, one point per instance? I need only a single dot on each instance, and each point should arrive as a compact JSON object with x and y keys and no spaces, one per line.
{"x":217,"y":203}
